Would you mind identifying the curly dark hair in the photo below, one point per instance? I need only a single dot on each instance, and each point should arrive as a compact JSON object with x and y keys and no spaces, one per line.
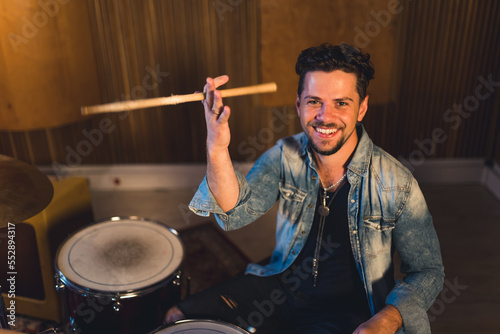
{"x":327,"y":57}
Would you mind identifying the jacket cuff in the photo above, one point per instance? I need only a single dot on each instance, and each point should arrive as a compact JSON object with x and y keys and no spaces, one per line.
{"x":203,"y":203}
{"x":404,"y":298}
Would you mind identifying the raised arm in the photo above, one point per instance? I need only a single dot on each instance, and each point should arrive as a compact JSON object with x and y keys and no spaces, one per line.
{"x":221,"y":177}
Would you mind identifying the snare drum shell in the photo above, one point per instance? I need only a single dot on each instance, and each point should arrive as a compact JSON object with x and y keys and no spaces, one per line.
{"x":91,"y":310}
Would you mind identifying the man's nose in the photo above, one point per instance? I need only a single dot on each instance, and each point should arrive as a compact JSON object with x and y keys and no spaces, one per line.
{"x":327,"y":113}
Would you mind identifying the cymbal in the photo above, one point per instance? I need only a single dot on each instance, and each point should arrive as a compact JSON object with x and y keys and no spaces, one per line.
{"x":24,"y":191}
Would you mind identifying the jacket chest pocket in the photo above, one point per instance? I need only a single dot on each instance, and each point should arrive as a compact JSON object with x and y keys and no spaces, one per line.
{"x":291,"y":201}
{"x":378,"y":235}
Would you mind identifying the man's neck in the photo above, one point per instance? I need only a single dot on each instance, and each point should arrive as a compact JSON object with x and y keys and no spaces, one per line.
{"x":332,"y":167}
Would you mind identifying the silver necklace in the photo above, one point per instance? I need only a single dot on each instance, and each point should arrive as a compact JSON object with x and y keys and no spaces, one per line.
{"x":323,"y":209}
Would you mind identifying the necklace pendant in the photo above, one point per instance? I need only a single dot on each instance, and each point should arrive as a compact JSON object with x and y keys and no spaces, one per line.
{"x":323,"y":210}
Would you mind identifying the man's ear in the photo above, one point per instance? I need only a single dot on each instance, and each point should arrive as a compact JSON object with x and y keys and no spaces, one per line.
{"x":363,"y":108}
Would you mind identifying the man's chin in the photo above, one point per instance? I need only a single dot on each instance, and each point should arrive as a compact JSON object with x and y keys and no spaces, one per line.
{"x":326,"y":151}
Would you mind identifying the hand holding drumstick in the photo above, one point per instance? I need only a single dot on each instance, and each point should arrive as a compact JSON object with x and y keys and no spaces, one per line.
{"x":220,"y":172}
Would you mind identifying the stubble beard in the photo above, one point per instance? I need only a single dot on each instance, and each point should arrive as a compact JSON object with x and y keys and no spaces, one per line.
{"x":331,"y":151}
{"x":334,"y":149}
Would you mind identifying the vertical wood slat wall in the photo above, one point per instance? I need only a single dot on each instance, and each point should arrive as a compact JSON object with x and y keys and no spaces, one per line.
{"x":445,"y":46}
{"x":184,"y":40}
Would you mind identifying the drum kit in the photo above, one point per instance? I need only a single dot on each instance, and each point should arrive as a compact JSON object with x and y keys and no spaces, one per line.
{"x":118,"y":275}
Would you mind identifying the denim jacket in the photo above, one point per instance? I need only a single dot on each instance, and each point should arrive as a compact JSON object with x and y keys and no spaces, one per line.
{"x":386,"y":213}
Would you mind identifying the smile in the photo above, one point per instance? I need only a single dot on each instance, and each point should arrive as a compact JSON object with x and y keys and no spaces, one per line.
{"x":325,"y":131}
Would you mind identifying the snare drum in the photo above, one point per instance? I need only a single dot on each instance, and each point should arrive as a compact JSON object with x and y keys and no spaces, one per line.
{"x":200,"y":327}
{"x":119,"y":275}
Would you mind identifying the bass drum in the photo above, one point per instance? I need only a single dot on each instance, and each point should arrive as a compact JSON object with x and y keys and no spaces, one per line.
{"x":200,"y":327}
{"x":119,"y":275}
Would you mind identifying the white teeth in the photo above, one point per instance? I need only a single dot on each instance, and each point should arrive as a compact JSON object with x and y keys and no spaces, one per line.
{"x":326,"y":131}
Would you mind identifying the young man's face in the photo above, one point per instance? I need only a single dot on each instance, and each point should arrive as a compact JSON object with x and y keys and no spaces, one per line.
{"x":329,"y":109}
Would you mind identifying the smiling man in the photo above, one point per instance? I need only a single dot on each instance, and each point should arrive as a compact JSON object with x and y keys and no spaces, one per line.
{"x":344,"y":207}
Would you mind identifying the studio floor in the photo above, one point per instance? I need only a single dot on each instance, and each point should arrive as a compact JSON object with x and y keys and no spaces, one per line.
{"x":466,"y":217}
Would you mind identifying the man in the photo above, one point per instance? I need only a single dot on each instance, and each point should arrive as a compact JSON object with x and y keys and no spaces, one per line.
{"x":344,"y":207}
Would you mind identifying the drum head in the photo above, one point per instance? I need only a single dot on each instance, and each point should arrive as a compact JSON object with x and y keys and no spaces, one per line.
{"x":201,"y":327}
{"x":120,"y":254}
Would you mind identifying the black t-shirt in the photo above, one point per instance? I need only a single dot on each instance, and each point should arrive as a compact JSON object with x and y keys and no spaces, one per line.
{"x":338,"y":278}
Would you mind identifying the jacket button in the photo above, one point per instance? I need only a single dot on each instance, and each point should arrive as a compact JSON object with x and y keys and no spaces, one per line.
{"x":303,"y":232}
{"x":310,"y":205}
{"x":353,"y":201}
{"x":354,"y":232}
{"x":293,"y":252}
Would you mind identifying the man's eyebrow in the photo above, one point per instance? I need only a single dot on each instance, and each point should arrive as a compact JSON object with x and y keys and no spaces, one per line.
{"x":343,"y":99}
{"x":312,"y":97}
{"x":340,"y":99}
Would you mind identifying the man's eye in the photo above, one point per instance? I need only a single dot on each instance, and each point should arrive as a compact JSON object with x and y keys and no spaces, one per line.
{"x":313,"y":102}
{"x":342,"y":103}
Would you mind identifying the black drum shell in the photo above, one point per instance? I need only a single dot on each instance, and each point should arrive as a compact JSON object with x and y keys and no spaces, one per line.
{"x":92,"y":313}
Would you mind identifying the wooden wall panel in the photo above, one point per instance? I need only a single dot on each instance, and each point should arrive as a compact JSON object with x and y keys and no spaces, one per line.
{"x":47,"y":63}
{"x":147,"y":49}
{"x":290,"y":26}
{"x":447,"y":49}
{"x":185,"y":41}
{"x":429,"y":58}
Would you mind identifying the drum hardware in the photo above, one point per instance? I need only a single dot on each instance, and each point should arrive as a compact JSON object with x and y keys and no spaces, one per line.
{"x":177,"y":279}
{"x":59,"y":285}
{"x":188,"y":286}
{"x":117,"y":306}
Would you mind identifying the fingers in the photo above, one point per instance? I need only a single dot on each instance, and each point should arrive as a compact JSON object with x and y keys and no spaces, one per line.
{"x":217,"y":106}
{"x":223,"y":116}
{"x":219,"y":81}
{"x":213,"y":99}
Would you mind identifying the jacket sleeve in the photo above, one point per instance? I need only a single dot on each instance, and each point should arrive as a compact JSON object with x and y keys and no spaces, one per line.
{"x":258,"y":192}
{"x":416,"y":241}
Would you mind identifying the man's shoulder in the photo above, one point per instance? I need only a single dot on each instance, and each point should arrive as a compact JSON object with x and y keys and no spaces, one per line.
{"x":296,"y":143}
{"x":388,"y":169}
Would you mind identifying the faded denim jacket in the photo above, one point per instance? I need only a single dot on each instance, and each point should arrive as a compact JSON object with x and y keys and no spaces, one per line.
{"x":386,"y":213}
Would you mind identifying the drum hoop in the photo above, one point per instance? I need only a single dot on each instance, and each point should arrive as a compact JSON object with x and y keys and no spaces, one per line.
{"x":179,"y":322}
{"x":116,"y":294}
{"x":124,"y":294}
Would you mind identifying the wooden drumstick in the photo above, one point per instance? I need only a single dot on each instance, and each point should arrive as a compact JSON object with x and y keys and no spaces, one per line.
{"x":176,"y":99}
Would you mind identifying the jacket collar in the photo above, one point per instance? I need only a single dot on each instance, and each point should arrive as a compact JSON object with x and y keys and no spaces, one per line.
{"x":362,"y":155}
